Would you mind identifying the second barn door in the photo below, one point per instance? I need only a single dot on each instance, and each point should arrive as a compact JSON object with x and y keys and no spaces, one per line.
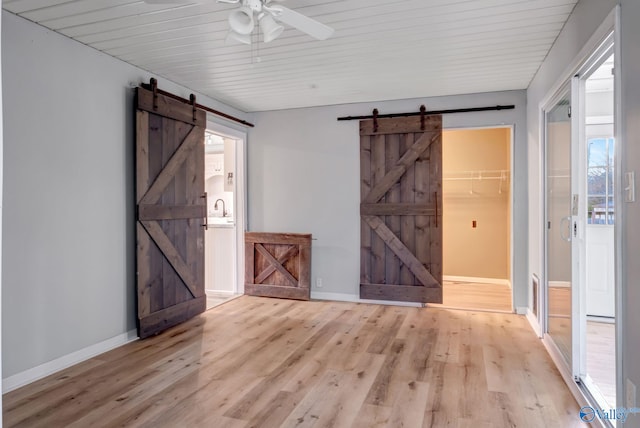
{"x":401,"y":209}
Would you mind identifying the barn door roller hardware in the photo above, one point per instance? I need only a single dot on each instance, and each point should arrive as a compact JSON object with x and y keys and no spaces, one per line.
{"x":423,"y":113}
{"x":376,"y":115}
{"x":153,"y":86}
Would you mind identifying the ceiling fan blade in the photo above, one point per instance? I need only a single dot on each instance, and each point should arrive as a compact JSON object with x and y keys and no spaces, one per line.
{"x":303,"y":23}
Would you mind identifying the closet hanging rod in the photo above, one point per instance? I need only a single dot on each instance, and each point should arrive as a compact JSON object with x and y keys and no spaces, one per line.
{"x":428,"y":113}
{"x":495,"y":174}
{"x":474,"y":178}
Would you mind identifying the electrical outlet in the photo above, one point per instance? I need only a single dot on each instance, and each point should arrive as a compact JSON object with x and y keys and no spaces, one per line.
{"x":318,"y":282}
{"x":630,"y":395}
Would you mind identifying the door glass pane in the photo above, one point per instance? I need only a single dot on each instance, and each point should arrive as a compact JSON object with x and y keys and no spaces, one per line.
{"x":597,"y":152}
{"x":611,"y":151}
{"x":596,"y":213}
{"x":600,"y":175}
{"x":597,"y":181}
{"x":558,"y":176}
{"x":599,"y":240}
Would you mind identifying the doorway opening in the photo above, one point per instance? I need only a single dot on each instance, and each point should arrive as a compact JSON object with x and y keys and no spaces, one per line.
{"x":477,"y":207}
{"x":598,"y":172}
{"x":224,"y":160}
{"x":580,"y":215}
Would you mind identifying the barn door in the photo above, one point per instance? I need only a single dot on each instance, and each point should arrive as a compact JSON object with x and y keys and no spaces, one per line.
{"x":171,"y":210}
{"x":401,"y":209}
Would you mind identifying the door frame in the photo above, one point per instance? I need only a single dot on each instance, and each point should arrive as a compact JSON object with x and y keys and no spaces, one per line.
{"x":511,"y":254}
{"x":240,"y":198}
{"x":610,"y":26}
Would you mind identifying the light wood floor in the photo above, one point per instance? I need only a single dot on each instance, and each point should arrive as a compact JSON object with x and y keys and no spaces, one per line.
{"x":474,"y":295}
{"x":257,"y":362}
{"x":600,"y":353}
{"x":601,"y":358}
{"x":216,"y":298}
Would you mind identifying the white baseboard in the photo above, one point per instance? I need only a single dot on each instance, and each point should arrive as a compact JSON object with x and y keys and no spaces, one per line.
{"x":533,"y":321}
{"x":479,"y":280}
{"x":219,"y":292}
{"x":43,"y":370}
{"x":559,"y":284}
{"x":354,"y":298}
{"x":522,"y":310}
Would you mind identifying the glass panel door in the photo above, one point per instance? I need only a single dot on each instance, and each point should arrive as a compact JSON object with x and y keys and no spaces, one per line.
{"x":559,"y":224}
{"x":598,"y":322}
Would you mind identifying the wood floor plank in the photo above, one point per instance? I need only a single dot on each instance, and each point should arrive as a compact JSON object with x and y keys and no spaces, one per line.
{"x":381,"y":393}
{"x":447,"y":346}
{"x":372,"y":416}
{"x":280,"y":408}
{"x":601,"y":362}
{"x":409,"y":406}
{"x":330,"y":356}
{"x":265,"y":390}
{"x":472,"y":423}
{"x":196,"y":405}
{"x":496,"y":376}
{"x":474,"y":379}
{"x":36,"y":391}
{"x":258,"y":362}
{"x":337,"y":396}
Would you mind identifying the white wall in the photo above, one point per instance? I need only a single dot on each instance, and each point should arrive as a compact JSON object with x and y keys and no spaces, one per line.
{"x":304,"y":170}
{"x":583,"y":22}
{"x":69,"y":242}
{"x":630,"y":212}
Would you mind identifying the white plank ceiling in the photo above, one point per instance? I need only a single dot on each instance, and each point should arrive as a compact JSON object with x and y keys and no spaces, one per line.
{"x":381,"y":50}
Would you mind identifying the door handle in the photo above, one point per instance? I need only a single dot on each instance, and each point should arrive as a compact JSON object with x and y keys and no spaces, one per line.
{"x":565,"y":224}
{"x":206,"y":211}
{"x":436,"y":194}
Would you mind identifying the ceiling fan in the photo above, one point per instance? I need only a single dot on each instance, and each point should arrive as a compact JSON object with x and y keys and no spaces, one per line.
{"x":267,"y":16}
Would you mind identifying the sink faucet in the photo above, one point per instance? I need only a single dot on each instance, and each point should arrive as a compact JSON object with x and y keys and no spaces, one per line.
{"x":215,"y":207}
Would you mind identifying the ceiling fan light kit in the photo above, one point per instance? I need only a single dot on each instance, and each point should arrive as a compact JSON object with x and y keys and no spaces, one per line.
{"x":270,"y":28}
{"x":242,"y":21}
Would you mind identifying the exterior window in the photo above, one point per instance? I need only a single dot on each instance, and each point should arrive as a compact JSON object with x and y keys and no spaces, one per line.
{"x":600,"y":183}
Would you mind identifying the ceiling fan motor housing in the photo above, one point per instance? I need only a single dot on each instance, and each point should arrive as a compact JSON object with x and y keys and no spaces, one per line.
{"x":254,"y":5}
